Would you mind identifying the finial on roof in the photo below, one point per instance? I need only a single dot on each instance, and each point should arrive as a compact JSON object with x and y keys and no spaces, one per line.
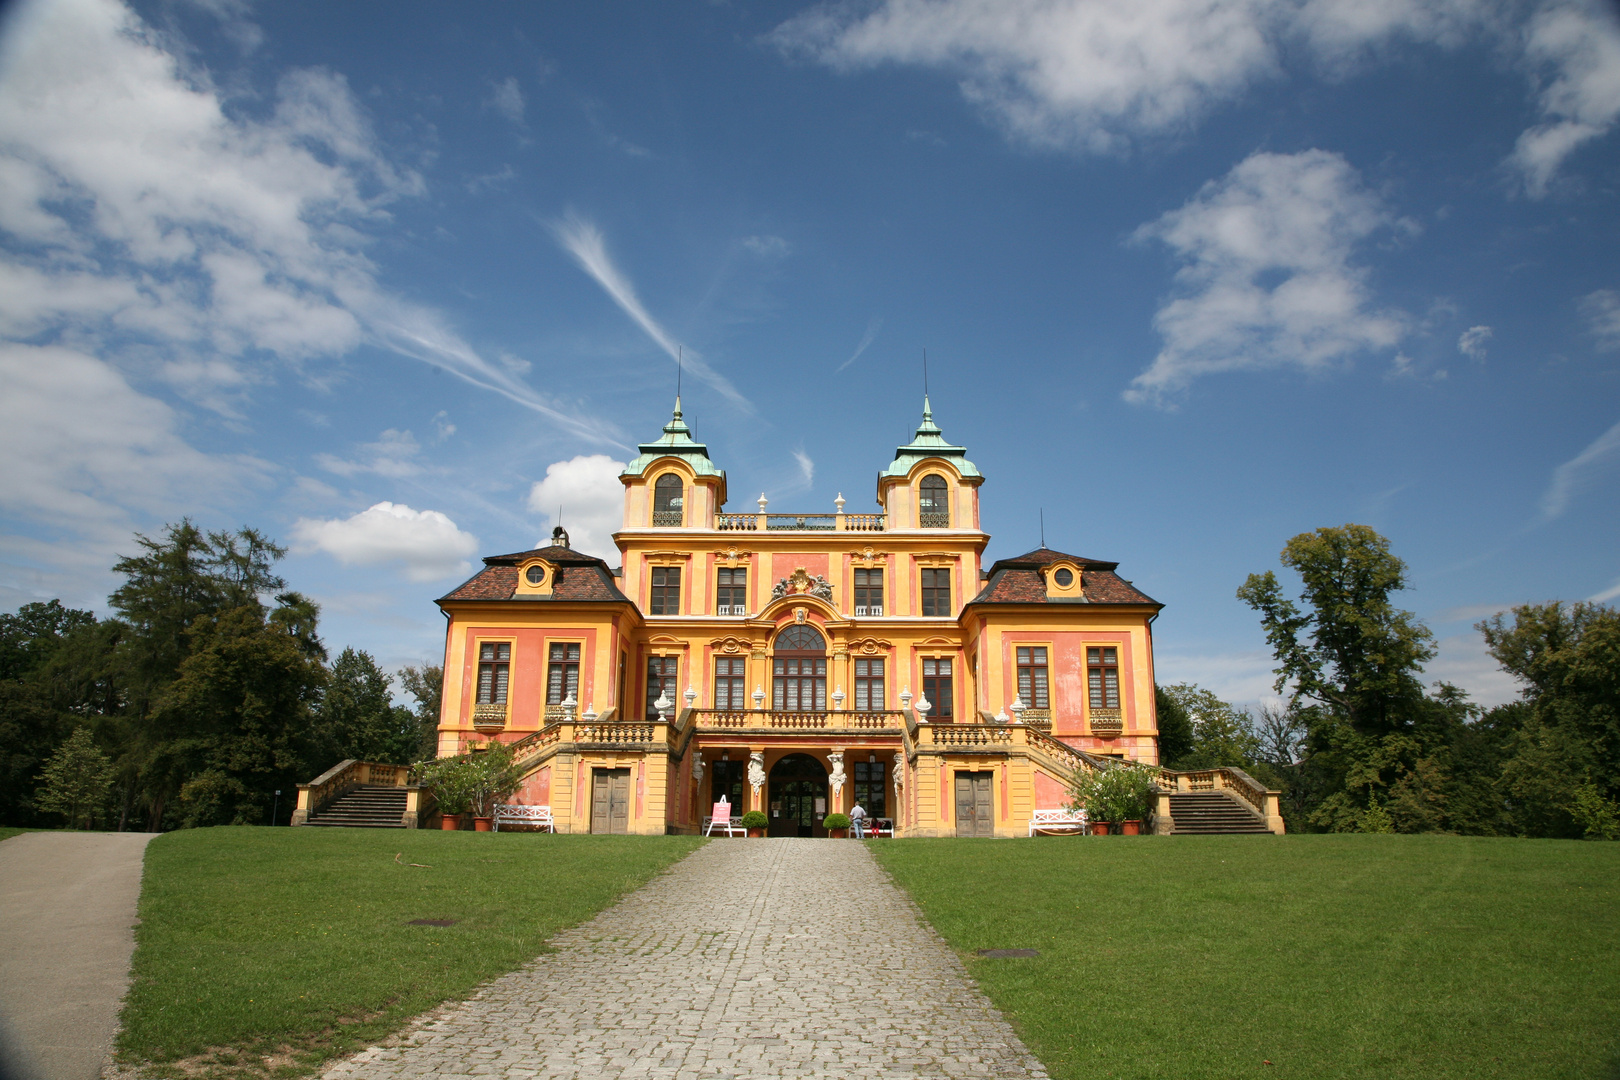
{"x":677,"y":405}
{"x":559,"y":537}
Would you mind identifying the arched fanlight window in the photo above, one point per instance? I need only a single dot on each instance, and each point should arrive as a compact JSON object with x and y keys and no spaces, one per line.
{"x":799,"y":670}
{"x":933,"y":506}
{"x":668,"y":501}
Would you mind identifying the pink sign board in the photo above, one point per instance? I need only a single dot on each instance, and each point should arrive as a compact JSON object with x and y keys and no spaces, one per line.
{"x":722,"y":810}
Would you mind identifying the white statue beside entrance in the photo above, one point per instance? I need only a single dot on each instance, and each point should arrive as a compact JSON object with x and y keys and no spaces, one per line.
{"x":756,"y":772}
{"x":836,"y":780}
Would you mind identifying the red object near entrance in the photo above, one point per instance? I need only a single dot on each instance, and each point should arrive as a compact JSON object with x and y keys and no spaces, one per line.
{"x":1132,"y":828}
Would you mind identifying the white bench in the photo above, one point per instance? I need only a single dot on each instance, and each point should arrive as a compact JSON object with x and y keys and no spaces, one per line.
{"x":731,"y":826}
{"x":514,"y":814}
{"x":1058,"y":821}
{"x":874,"y":827}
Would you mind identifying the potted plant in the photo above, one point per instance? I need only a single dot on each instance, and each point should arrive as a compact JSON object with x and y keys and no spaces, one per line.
{"x":755,"y":821}
{"x":1100,"y":828}
{"x":1122,"y":794}
{"x":448,"y":779}
{"x":492,"y":777}
{"x":837,"y":825}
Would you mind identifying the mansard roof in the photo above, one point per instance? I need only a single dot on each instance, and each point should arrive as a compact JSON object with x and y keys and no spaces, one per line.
{"x":675,"y":442}
{"x":1019,"y":581}
{"x":928,"y":443}
{"x":578,"y":577}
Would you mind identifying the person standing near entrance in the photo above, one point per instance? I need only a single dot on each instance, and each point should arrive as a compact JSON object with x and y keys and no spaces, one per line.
{"x":857,"y":820}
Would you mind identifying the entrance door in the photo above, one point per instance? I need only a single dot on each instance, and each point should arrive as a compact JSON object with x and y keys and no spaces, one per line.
{"x":974,"y":816}
{"x":798,"y":796}
{"x":610,"y":800}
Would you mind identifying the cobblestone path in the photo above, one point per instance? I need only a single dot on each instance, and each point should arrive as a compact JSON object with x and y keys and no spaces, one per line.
{"x":756,"y":958}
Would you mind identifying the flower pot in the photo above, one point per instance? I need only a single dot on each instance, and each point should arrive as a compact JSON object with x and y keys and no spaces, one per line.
{"x":483,"y":824}
{"x":1099,"y":828}
{"x":1132,"y":828}
{"x":838,"y":834}
{"x":450,"y":822}
{"x":755,"y":834}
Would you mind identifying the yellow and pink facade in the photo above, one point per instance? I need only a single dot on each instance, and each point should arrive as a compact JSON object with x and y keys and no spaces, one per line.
{"x":799,"y":663}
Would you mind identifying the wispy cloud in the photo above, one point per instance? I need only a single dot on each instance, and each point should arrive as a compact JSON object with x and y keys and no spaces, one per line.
{"x":507,"y":99}
{"x":870,"y":336}
{"x":1267,"y":279}
{"x":583,"y":240}
{"x":1573,"y":48}
{"x":1578,"y":472}
{"x":1602,"y":311}
{"x":1606,"y":595}
{"x":1472,"y":341}
{"x":807,"y":468}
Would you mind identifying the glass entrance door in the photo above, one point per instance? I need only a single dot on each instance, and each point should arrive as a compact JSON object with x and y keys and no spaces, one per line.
{"x":798,"y":796}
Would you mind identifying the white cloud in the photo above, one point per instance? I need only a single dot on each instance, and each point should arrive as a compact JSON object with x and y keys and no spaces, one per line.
{"x":1605,"y":595}
{"x":1472,"y":341}
{"x":1462,"y":660}
{"x":84,"y":450}
{"x":1578,"y":473}
{"x":392,"y":455}
{"x":584,"y":242}
{"x":1096,"y":76}
{"x":508,"y":99}
{"x":1602,"y":311}
{"x":807,"y":468}
{"x":1573,"y":46}
{"x":148,"y":209}
{"x":872,"y":329}
{"x":1266,"y":278}
{"x":426,"y":541}
{"x":587,"y":491}
{"x":770,"y":247}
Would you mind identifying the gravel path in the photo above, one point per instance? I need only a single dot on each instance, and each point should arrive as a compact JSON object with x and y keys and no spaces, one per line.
{"x":756,"y":958}
{"x":67,"y":929}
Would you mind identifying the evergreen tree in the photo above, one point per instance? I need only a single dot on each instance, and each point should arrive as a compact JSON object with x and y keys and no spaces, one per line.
{"x":426,"y":685}
{"x":1175,"y":730}
{"x":358,"y":718}
{"x":76,"y":780}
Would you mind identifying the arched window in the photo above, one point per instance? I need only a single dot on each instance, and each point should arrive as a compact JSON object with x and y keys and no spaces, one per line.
{"x":668,"y":501}
{"x":799,"y":670}
{"x":933,"y":505}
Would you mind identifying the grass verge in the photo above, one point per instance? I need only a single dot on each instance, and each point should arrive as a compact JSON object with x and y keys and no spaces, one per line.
{"x":7,"y":832}
{"x":1301,"y":956}
{"x":263,"y":952}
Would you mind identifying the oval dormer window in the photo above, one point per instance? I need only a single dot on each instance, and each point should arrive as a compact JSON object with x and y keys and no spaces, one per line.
{"x":535,"y":575}
{"x":1064,"y":578}
{"x":668,"y":500}
{"x":933,"y":509}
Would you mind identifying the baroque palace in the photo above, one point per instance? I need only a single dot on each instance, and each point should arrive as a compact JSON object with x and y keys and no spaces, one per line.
{"x":799,"y":663}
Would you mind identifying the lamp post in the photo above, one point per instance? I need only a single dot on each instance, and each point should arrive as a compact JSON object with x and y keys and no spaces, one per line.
{"x":275,"y":808}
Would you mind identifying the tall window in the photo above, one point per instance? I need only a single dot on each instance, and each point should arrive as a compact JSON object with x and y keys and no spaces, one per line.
{"x":936,"y":592}
{"x":731,"y":592}
{"x":869,"y":592}
{"x":1032,"y":676}
{"x":1102,"y":663}
{"x":494,"y":671}
{"x":933,"y":504}
{"x":668,"y":501}
{"x":799,"y":671}
{"x":728,"y":782}
{"x":870,"y":790}
{"x":729,"y":682}
{"x":666,"y":591}
{"x":937,"y":686}
{"x":562,"y":673}
{"x":869,"y":685}
{"x":661,"y":672}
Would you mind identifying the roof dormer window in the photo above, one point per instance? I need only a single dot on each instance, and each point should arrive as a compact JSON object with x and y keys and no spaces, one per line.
{"x":933,"y":503}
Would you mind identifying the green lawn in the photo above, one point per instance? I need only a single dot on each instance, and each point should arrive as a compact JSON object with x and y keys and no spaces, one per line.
{"x":265,"y":951}
{"x":7,"y":832}
{"x":1299,"y":956}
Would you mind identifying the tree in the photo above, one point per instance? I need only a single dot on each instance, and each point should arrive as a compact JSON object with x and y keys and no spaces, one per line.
{"x":31,"y":637}
{"x":1175,"y":729}
{"x":1222,"y":735}
{"x":426,"y":685}
{"x":1350,"y":650}
{"x":76,"y":780}
{"x":358,"y":717}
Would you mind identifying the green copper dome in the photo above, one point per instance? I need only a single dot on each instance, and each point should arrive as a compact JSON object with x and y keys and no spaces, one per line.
{"x":676,"y":442}
{"x":929,"y":443}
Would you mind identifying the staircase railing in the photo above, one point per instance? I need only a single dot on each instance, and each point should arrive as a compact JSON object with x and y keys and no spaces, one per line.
{"x":349,"y":774}
{"x":1265,"y":802}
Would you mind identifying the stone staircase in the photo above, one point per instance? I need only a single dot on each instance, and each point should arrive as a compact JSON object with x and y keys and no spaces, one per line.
{"x":365,"y":807}
{"x":1212,"y":812}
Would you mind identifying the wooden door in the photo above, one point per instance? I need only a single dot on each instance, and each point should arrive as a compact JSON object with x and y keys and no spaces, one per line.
{"x":610,"y":800}
{"x":974,"y":815}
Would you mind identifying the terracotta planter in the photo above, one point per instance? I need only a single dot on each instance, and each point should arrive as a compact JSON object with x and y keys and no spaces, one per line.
{"x":483,"y":824}
{"x":1099,"y":828}
{"x":450,"y":822}
{"x":755,"y":834}
{"x":838,"y":834}
{"x":1132,"y":828}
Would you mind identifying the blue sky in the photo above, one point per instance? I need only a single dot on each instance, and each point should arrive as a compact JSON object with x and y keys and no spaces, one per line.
{"x":393,"y":282}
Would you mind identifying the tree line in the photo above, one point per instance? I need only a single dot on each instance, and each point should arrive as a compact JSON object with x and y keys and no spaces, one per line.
{"x":207,"y":690}
{"x":1360,"y":745}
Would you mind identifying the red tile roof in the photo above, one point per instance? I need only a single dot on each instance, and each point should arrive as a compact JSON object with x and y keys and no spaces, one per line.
{"x":577,"y":577}
{"x":1019,"y":581}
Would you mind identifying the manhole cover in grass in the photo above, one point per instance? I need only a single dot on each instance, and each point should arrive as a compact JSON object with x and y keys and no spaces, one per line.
{"x":431,"y":922}
{"x":1000,"y":954}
